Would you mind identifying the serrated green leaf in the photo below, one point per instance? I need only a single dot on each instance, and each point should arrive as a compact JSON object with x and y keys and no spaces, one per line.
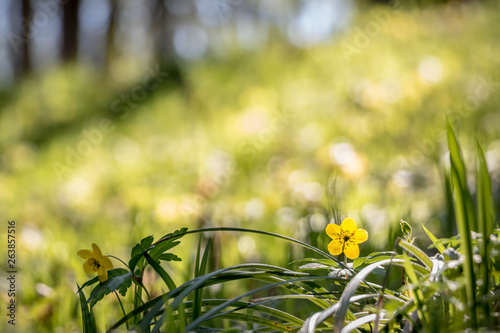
{"x":147,"y":241}
{"x":161,"y":248}
{"x":169,"y":257}
{"x":120,"y":282}
{"x":111,"y":273}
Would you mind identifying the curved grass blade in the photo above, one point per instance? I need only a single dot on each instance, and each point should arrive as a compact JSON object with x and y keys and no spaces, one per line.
{"x":272,"y":324}
{"x":256,"y":306}
{"x":220,"y":276}
{"x":267,"y":233}
{"x":417,"y":253}
{"x":350,"y":290}
{"x":215,"y":310}
{"x":434,"y":240}
{"x":312,"y":322}
{"x":359,"y":322}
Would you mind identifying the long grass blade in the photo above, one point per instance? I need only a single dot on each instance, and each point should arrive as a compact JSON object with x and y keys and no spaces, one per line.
{"x":463,"y":211}
{"x":485,"y":219}
{"x":200,"y":270}
{"x":88,"y":320}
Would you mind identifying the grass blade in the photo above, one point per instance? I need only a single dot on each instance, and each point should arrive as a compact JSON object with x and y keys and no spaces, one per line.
{"x":434,"y":240}
{"x":200,"y":269}
{"x":88,"y":319}
{"x":484,"y":218}
{"x":209,"y":314}
{"x":417,"y":293}
{"x":463,"y":211}
{"x":350,"y":290}
{"x":418,"y":253}
{"x":457,"y":164}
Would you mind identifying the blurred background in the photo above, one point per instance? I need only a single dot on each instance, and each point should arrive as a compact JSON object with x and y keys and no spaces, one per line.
{"x":121,"y":119}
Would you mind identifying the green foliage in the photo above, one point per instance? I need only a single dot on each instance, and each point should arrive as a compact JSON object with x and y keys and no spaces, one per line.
{"x":430,"y":297}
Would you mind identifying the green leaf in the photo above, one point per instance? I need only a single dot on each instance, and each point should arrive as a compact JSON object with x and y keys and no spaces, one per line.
{"x":111,"y":273}
{"x":137,"y":252}
{"x":161,"y":248}
{"x":155,"y":250}
{"x":167,"y":242}
{"x":147,"y":241}
{"x":358,"y":262}
{"x":118,"y":282}
{"x":168,"y":257}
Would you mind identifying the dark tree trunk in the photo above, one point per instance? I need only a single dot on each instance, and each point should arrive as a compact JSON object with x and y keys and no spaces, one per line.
{"x":69,"y":48}
{"x":110,"y":33}
{"x":20,"y":36}
{"x":25,"y":57}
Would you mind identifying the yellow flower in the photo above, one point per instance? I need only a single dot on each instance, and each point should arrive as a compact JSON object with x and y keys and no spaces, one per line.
{"x":345,"y":238}
{"x":96,"y":262}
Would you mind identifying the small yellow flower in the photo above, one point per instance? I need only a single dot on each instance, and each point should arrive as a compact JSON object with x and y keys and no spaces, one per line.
{"x":345,"y":238}
{"x":96,"y":262}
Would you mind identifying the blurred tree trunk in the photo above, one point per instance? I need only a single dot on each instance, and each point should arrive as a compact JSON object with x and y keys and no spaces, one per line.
{"x":161,"y":20}
{"x":111,"y":32}
{"x":25,"y":58}
{"x":20,"y":38}
{"x":69,"y":48}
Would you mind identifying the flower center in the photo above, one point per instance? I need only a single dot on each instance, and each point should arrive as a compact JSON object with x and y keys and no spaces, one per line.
{"x":95,"y":264}
{"x":345,"y":236}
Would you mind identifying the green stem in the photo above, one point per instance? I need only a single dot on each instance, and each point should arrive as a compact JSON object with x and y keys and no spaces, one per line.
{"x":121,"y":306}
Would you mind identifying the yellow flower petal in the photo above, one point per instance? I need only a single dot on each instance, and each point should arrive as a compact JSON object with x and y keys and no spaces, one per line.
{"x":333,"y":230}
{"x":335,"y":247}
{"x":102,"y":273}
{"x":105,"y":262}
{"x":351,"y":250}
{"x":348,"y":225}
{"x":97,"y":250}
{"x":85,"y":254}
{"x":360,"y":236}
{"x":88,"y":266}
